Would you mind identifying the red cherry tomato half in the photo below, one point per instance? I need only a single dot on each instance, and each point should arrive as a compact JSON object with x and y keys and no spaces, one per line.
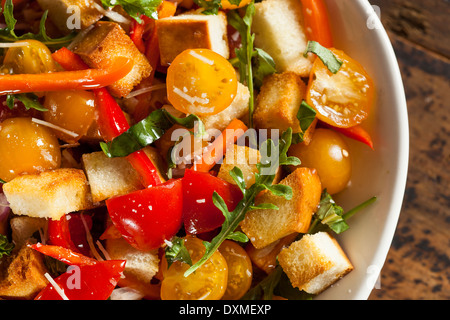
{"x":200,"y":213}
{"x":146,"y":218}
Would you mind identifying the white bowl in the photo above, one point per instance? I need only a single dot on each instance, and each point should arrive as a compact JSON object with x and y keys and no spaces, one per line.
{"x":383,"y":172}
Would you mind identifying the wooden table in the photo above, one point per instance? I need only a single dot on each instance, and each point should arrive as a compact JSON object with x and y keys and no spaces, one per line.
{"x":418,"y":263}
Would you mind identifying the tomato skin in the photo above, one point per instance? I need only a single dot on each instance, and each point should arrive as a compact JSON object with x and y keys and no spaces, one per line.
{"x":202,"y":82}
{"x":343,"y":99}
{"x":146,"y":218}
{"x":208,"y":282}
{"x":240,"y":271}
{"x":200,"y":213}
{"x":329,"y":154}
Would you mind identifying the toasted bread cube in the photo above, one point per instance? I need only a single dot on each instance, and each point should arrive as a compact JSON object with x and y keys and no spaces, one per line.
{"x":266,"y":226}
{"x":279,"y":30}
{"x":50,"y":194}
{"x":244,"y":158}
{"x":278,"y":103}
{"x":24,"y":277}
{"x":104,"y":42}
{"x":109,"y":177}
{"x":66,"y":14}
{"x":191,"y":31}
{"x":141,"y":265}
{"x":23,"y":228}
{"x":237,"y":109}
{"x":314,"y":262}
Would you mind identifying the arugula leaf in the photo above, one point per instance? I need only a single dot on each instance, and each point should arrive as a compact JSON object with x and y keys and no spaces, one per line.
{"x":263,"y":65}
{"x":177,"y":252}
{"x":2,"y":181}
{"x":306,"y":115}
{"x":29,"y":100}
{"x":211,"y":6}
{"x":5,"y":246}
{"x":245,"y":53}
{"x":328,"y":58}
{"x":135,"y":8}
{"x":265,"y":289}
{"x":262,"y":182}
{"x":146,"y":132}
{"x":8,"y":34}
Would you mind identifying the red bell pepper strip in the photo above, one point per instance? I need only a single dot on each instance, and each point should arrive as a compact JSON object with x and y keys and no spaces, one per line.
{"x":59,"y":234}
{"x":93,"y":280}
{"x":137,"y":33}
{"x":317,"y":24}
{"x":65,"y":80}
{"x":111,"y":120}
{"x":146,"y":218}
{"x":63,"y":254}
{"x":357,"y":133}
{"x":200,"y":213}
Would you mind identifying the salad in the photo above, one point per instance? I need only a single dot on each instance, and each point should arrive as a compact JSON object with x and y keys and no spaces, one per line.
{"x":175,"y":150}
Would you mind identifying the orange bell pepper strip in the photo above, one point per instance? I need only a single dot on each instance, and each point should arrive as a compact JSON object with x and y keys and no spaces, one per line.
{"x":317,"y":24}
{"x":218,"y":148}
{"x":65,"y":80}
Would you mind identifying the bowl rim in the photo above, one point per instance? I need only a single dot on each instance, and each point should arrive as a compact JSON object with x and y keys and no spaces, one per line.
{"x":395,"y":206}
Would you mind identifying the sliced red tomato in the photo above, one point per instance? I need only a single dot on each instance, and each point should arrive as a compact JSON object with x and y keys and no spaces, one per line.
{"x":200,"y":213}
{"x":146,"y":218}
{"x":343,"y":99}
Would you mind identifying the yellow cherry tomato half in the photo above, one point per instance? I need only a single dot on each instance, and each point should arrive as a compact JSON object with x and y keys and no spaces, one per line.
{"x":208,"y":282}
{"x":201,"y":82}
{"x":329,"y":154}
{"x":27,"y":147}
{"x":240,"y":271}
{"x":30,"y":57}
{"x":226,"y":5}
{"x":343,"y":99}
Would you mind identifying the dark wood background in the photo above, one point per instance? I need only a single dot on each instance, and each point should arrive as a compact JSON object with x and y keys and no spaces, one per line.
{"x":418,"y":263}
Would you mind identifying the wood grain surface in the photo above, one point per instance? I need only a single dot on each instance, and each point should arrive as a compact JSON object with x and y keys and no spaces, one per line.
{"x":418,"y":263}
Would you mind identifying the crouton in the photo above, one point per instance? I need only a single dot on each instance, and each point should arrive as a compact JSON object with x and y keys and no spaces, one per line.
{"x":244,"y":158}
{"x":266,"y":226}
{"x":50,"y":194}
{"x":23,"y":228}
{"x":278,"y":103}
{"x":140,"y":265}
{"x":279,"y":30}
{"x":109,"y":177}
{"x":191,"y":31}
{"x":66,"y":14}
{"x":237,"y":109}
{"x":24,"y":277}
{"x":105,"y":41}
{"x":314,"y":262}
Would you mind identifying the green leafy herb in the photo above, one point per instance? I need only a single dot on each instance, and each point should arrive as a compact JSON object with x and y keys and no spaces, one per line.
{"x":5,"y":246}
{"x":2,"y":181}
{"x":29,"y":100}
{"x":8,"y":34}
{"x":177,"y":251}
{"x":146,"y":132}
{"x":264,"y":290}
{"x":306,"y":115}
{"x":135,"y":8}
{"x":329,"y":214}
{"x":245,"y":53}
{"x":262,"y":182}
{"x":263,"y":65}
{"x":328,"y":58}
